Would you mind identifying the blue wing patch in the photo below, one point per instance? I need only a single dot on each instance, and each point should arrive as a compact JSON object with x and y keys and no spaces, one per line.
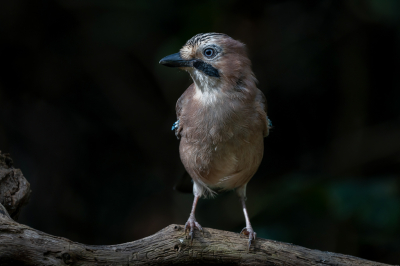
{"x":269,"y":123}
{"x":175,"y":125}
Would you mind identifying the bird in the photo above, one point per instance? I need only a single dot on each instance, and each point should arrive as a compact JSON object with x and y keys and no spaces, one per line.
{"x":221,"y":120}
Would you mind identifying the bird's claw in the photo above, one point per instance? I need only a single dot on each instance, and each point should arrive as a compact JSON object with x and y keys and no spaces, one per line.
{"x":190,"y":225}
{"x":252,"y":235}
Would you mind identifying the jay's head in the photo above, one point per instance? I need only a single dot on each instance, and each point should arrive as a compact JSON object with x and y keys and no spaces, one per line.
{"x":213,"y":60}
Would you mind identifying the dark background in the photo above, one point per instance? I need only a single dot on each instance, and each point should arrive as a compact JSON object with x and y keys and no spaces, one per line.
{"x":86,"y":112}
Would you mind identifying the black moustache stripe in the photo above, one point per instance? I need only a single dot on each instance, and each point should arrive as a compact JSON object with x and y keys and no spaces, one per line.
{"x":208,"y":69}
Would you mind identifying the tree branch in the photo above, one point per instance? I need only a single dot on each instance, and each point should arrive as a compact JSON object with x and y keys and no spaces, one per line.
{"x":22,"y":245}
{"x":14,"y":188}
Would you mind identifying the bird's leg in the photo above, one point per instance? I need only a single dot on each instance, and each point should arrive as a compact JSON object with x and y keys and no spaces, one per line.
{"x":248,"y":230}
{"x":192,"y":223}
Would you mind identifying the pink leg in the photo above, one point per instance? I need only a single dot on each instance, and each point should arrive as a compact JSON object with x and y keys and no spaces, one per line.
{"x":192,"y":223}
{"x":248,"y":230}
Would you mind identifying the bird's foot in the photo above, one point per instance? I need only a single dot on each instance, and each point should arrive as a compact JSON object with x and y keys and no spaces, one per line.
{"x":252,"y":235}
{"x":190,"y":225}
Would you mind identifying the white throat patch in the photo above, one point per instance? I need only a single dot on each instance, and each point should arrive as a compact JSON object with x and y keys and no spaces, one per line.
{"x":207,"y":88}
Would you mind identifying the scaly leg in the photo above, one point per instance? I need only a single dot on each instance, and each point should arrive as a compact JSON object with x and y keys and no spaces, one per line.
{"x":248,"y":230}
{"x":192,"y":223}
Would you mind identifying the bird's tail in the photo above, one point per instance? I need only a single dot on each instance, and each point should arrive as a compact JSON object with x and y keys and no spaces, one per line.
{"x":185,"y":185}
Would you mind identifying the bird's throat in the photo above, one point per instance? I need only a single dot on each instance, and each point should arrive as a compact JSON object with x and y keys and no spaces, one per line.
{"x":205,"y":84}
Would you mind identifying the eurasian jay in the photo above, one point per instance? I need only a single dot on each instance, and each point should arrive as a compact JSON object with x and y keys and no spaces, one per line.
{"x":222,"y":119}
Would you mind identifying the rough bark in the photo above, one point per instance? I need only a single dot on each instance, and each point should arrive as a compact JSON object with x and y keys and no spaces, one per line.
{"x":22,"y":245}
{"x":14,"y":188}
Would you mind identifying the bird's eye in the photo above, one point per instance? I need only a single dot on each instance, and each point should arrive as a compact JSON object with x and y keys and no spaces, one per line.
{"x":209,"y":52}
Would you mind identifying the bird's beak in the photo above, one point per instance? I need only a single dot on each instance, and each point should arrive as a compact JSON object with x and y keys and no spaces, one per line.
{"x":175,"y":60}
